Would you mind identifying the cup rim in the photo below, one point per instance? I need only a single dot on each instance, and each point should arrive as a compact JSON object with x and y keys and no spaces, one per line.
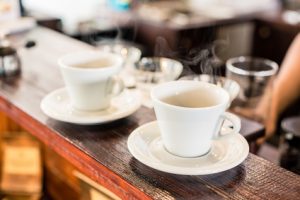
{"x":156,"y":99}
{"x":118,"y":60}
{"x":230,"y":65}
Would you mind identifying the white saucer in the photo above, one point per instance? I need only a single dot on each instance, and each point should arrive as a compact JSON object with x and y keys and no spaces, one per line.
{"x":57,"y":106}
{"x":145,"y":144}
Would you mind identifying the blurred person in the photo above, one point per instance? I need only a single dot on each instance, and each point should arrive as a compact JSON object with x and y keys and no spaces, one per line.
{"x":280,"y":94}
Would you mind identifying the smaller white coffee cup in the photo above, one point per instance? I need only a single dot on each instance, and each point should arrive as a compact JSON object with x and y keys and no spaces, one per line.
{"x":190,"y":115}
{"x":90,"y":78}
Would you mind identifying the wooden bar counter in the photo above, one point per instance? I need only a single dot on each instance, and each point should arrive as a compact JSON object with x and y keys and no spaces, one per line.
{"x":100,"y":151}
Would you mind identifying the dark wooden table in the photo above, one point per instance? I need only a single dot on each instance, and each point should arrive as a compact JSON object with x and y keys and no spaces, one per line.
{"x":100,"y":151}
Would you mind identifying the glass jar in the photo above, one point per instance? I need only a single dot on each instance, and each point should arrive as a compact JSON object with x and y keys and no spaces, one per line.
{"x":290,"y":144}
{"x":9,"y":60}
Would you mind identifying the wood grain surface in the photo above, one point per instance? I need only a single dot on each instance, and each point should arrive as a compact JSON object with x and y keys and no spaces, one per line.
{"x":100,"y":151}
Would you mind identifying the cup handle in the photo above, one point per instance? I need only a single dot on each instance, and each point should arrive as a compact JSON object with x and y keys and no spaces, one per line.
{"x":116,"y":86}
{"x":235,"y":121}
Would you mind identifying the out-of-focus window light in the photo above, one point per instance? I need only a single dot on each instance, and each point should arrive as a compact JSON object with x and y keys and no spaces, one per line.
{"x":10,"y":18}
{"x":69,"y":11}
{"x":9,"y":9}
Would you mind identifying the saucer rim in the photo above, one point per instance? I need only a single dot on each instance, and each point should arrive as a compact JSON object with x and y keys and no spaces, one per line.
{"x":100,"y":120}
{"x":155,"y":164}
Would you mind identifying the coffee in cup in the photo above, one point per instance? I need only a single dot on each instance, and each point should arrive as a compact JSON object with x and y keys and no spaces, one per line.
{"x":90,"y":78}
{"x":190,"y":115}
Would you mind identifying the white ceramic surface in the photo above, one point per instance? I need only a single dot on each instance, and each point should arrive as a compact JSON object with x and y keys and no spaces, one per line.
{"x":145,"y":144}
{"x":91,"y":88}
{"x":57,"y":106}
{"x":180,"y":124}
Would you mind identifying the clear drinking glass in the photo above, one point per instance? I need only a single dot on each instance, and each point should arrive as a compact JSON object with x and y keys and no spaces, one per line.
{"x":253,"y":75}
{"x":155,"y":70}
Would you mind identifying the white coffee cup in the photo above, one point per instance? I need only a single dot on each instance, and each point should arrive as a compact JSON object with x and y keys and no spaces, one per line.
{"x":190,"y":115}
{"x":90,"y":78}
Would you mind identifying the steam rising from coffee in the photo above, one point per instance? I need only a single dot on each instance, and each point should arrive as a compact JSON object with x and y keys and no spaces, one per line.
{"x":203,"y":60}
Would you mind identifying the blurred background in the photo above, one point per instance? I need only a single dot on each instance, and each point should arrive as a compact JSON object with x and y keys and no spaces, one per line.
{"x":179,"y":29}
{"x":171,"y":28}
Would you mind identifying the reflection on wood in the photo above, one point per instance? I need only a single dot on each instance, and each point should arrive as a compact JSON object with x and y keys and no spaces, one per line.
{"x":21,"y":173}
{"x":7,"y":125}
{"x":91,"y":190}
{"x":60,"y":182}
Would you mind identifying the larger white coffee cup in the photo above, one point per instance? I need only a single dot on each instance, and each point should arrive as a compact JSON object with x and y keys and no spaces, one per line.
{"x":89,"y":78}
{"x":190,"y":115}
